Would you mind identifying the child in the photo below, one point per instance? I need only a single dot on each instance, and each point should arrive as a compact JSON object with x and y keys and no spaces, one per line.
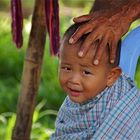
{"x":102,"y":102}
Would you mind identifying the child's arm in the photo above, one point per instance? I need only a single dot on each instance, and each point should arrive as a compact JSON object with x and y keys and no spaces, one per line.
{"x":107,"y":21}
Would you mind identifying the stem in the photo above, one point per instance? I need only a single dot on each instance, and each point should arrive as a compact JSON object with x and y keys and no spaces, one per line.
{"x":31,"y":74}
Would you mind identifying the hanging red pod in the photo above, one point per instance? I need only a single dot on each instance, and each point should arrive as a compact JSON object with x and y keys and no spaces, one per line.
{"x":52,"y":21}
{"x":17,"y":22}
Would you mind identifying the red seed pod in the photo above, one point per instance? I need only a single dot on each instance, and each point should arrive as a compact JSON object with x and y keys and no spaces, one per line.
{"x":17,"y":22}
{"x":52,"y":21}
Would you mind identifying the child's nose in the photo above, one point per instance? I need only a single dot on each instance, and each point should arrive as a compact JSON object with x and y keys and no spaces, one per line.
{"x":75,"y":78}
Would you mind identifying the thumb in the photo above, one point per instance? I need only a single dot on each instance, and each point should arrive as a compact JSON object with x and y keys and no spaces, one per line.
{"x":82,"y":18}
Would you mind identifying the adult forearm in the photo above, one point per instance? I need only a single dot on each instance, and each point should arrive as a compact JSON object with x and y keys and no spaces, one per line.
{"x":132,"y":10}
{"x":126,"y":8}
{"x":107,"y":4}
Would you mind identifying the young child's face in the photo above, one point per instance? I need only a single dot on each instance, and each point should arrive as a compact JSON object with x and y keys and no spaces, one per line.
{"x":79,"y":78}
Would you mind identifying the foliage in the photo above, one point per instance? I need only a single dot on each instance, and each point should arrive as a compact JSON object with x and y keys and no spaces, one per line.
{"x":42,"y":123}
{"x":78,"y":3}
{"x":137,"y":75}
{"x":6,"y":124}
{"x":11,"y":61}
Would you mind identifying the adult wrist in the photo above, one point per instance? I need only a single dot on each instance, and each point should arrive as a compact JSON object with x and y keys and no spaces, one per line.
{"x":131,"y":11}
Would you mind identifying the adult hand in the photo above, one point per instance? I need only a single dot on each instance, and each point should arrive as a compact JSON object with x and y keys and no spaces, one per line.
{"x":103,"y":26}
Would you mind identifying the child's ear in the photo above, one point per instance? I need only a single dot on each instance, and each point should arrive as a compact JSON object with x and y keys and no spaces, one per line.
{"x":113,"y":76}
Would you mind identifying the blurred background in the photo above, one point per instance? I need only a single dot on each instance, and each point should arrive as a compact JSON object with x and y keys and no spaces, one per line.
{"x":50,"y":95}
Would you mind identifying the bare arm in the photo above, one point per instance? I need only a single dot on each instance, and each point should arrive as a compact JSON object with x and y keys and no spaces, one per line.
{"x":129,"y":8}
{"x":108,"y":21}
{"x":108,"y":4}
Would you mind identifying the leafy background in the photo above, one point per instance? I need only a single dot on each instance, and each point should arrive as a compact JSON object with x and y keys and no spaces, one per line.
{"x":50,"y":95}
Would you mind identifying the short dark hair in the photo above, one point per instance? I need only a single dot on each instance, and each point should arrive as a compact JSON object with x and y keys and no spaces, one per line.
{"x":70,"y":31}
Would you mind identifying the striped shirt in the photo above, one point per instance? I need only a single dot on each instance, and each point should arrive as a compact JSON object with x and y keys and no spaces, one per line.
{"x":112,"y":115}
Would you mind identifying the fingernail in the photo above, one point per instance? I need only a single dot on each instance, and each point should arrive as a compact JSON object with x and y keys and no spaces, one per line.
{"x":112,"y":61}
{"x":96,"y":62}
{"x":80,"y":54}
{"x":71,"y":40}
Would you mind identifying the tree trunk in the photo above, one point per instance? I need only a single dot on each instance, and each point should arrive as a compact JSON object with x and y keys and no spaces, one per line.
{"x":31,"y":74}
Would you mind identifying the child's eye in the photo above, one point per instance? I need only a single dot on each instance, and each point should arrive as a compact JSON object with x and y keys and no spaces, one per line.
{"x":87,"y":72}
{"x":66,"y":68}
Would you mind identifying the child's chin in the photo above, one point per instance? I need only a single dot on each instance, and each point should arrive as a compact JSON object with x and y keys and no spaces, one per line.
{"x":76,"y":100}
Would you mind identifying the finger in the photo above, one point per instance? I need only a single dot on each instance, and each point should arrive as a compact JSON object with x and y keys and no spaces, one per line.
{"x":79,"y":32}
{"x":83,"y":29}
{"x":100,"y":49}
{"x":88,"y":42}
{"x":113,"y":51}
{"x":82,"y":18}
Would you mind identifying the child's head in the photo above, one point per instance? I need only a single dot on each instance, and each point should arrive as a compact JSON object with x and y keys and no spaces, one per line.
{"x":79,"y":77}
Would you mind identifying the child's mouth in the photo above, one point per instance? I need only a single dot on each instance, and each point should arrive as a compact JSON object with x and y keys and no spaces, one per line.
{"x":74,"y":93}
